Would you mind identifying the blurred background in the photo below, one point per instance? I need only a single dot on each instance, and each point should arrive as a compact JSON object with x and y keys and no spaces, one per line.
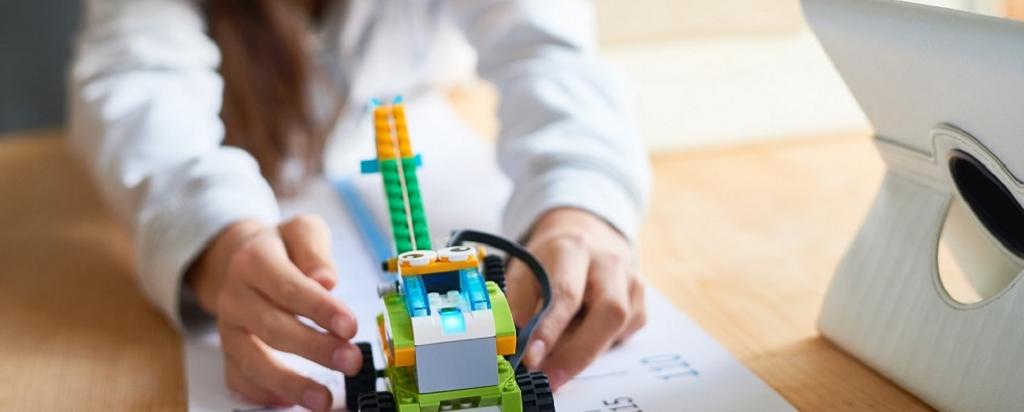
{"x":35,"y":44}
{"x":705,"y":72}
{"x":710,"y":72}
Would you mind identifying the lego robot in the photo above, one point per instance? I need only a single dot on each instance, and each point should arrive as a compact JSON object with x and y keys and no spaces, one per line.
{"x":446,"y":330}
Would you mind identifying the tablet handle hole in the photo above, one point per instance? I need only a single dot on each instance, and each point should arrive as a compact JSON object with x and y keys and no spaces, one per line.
{"x":975,"y":265}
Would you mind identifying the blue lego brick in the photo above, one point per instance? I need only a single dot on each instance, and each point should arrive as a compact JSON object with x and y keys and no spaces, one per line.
{"x":370,"y":166}
{"x":473,"y":289}
{"x":415,"y":295}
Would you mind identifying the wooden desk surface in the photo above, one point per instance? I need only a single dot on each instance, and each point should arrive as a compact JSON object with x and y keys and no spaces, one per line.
{"x":744,"y":239}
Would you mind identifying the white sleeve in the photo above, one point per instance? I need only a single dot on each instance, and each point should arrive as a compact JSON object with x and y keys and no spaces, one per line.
{"x":567,"y":137}
{"x":145,"y":98}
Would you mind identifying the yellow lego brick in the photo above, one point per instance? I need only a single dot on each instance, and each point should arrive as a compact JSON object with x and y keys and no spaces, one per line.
{"x":392,"y":264}
{"x":398,"y":115}
{"x":404,"y":149}
{"x":405,"y":357}
{"x":441,"y":265}
{"x":506,"y":345}
{"x":383,"y":117}
{"x":390,"y":126}
{"x":382,"y":334}
{"x":385,"y":146}
{"x":385,"y":152}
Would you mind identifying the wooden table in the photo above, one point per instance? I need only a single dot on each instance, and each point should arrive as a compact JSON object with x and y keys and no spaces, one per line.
{"x":744,"y":239}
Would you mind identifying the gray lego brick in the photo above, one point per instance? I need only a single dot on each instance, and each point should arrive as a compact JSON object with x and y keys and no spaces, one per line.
{"x":456,"y":365}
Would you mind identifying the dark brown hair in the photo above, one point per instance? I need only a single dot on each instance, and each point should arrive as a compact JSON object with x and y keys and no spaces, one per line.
{"x":267,"y":66}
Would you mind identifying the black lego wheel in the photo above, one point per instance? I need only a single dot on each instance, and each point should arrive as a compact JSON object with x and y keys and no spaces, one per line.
{"x":376,"y":402}
{"x":364,"y":382}
{"x":536,"y":392}
{"x":494,"y":270}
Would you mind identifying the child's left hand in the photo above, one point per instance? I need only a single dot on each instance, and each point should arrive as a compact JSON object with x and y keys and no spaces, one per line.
{"x":598,"y":297}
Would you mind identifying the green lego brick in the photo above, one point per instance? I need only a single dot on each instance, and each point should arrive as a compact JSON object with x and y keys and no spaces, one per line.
{"x":503,"y":323}
{"x":396,"y":205}
{"x":505,"y":394}
{"x":401,"y":324}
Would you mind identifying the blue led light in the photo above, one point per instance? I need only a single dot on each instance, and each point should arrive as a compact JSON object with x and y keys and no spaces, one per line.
{"x":452,"y":321}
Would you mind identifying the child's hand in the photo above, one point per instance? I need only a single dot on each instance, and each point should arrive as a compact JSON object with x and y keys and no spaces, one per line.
{"x":256,"y":280}
{"x":598,"y":298}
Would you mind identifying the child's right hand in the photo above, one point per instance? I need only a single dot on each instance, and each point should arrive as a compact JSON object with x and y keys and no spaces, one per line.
{"x":256,"y":280}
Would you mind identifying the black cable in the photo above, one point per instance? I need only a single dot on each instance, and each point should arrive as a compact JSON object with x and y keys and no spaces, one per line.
{"x":514,"y":250}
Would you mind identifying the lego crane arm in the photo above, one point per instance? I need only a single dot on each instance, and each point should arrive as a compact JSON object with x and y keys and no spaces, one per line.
{"x":397,"y":166}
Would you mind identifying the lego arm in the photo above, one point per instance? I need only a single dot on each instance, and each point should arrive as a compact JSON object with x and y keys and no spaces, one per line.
{"x":145,"y":99}
{"x":567,"y":139}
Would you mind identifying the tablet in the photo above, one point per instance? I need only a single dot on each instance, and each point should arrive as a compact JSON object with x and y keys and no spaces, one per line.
{"x":912,"y":67}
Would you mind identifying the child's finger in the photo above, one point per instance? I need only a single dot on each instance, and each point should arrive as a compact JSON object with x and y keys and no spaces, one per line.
{"x":636,"y":301}
{"x":308,"y":241}
{"x":284,"y":332}
{"x":286,"y":287}
{"x":248,"y":390}
{"x":608,"y":313}
{"x":567,"y":267}
{"x":256,"y":364}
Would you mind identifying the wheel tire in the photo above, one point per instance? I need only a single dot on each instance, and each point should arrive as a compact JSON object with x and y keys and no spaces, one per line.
{"x":376,"y":402}
{"x":364,"y":382}
{"x":494,"y":270}
{"x":536,"y":392}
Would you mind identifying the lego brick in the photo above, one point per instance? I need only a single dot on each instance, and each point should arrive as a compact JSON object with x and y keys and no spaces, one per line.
{"x":437,"y":266}
{"x":405,"y":357}
{"x":506,"y":393}
{"x":429,"y":329}
{"x":506,"y":345}
{"x":474,"y":289}
{"x":391,"y":265}
{"x":385,"y":344}
{"x":415,"y":296}
{"x":503,"y":323}
{"x":396,"y":199}
{"x":390,"y":128}
{"x":400,"y":357}
{"x":373,"y":165}
{"x":398,"y":322}
{"x":440,"y":283}
{"x":456,"y":365}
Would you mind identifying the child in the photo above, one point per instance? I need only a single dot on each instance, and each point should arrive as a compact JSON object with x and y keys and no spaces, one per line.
{"x":195,"y":116}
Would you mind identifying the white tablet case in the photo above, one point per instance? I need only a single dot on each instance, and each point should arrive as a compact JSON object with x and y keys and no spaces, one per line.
{"x":932,"y":82}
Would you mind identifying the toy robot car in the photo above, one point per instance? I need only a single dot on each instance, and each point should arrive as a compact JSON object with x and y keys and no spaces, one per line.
{"x":446,"y":330}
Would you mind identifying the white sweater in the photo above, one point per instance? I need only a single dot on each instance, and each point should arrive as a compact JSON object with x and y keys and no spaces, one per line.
{"x":146,"y":95}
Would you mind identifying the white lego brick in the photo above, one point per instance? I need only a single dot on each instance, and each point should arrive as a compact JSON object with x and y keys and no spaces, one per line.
{"x":427,"y":329}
